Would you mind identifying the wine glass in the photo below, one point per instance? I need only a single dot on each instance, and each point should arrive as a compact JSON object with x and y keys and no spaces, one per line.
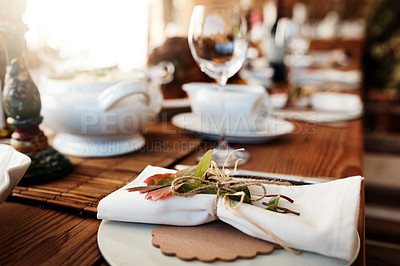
{"x":218,"y":42}
{"x":294,"y":37}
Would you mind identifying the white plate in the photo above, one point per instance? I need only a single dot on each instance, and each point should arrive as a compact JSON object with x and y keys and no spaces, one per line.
{"x":102,"y":146}
{"x":272,"y":129}
{"x":130,"y":244}
{"x":13,"y":166}
{"x":176,"y":103}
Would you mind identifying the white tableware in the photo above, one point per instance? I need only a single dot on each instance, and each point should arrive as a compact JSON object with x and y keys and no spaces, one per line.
{"x":257,"y":76}
{"x":100,"y":115}
{"x":314,"y":116}
{"x":279,"y":99}
{"x":123,"y":243}
{"x":13,"y":165}
{"x":330,"y":78}
{"x":176,"y":103}
{"x":336,"y":102}
{"x":328,"y":107}
{"x":272,"y":129}
{"x":247,"y":106}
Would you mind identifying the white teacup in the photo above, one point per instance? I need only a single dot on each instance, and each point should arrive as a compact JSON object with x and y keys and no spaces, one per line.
{"x":247,"y":106}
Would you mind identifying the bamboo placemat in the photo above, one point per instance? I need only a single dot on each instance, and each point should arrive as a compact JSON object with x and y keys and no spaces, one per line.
{"x":94,"y":178}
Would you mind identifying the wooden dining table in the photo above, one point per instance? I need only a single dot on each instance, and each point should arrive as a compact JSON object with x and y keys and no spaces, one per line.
{"x":55,"y":223}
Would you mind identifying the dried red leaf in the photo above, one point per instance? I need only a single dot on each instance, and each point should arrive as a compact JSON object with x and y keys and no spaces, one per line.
{"x":160,"y":179}
{"x":160,"y":193}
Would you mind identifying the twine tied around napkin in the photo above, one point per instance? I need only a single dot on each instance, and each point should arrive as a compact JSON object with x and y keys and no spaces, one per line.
{"x":230,"y":186}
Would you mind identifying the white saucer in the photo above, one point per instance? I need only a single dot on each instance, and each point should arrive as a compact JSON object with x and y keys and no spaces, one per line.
{"x":89,"y":146}
{"x":130,"y":243}
{"x":316,"y":116}
{"x":274,"y":128}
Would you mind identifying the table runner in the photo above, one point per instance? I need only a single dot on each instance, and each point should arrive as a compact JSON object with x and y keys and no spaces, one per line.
{"x":94,"y":178}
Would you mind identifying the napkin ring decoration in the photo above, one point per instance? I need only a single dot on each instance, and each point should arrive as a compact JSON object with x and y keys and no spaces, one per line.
{"x":207,"y":178}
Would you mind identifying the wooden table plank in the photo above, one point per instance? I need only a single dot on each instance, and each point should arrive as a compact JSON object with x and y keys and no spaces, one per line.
{"x":311,"y":150}
{"x":32,"y":235}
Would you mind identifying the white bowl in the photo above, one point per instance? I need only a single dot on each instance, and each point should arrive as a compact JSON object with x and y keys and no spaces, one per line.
{"x":336,"y":102}
{"x":13,"y":166}
{"x":247,"y":107}
{"x":100,"y":118}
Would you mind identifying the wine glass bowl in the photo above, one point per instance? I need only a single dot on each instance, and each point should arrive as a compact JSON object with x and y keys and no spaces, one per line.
{"x":217,"y":39}
{"x":294,"y":38}
{"x":218,"y":42}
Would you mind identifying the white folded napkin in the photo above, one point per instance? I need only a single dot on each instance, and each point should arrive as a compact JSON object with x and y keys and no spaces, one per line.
{"x":326,"y":225}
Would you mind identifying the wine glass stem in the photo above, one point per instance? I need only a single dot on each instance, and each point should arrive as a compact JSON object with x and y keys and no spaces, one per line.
{"x":292,"y":72}
{"x":295,"y":59}
{"x":223,"y":144}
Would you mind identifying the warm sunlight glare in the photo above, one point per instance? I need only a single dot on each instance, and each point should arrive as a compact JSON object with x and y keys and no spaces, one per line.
{"x":89,"y":34}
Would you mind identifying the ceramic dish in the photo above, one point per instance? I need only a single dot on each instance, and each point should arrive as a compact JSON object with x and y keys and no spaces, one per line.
{"x":130,"y":243}
{"x":314,"y":116}
{"x":336,"y":102}
{"x":13,"y":166}
{"x":329,"y":78}
{"x":247,"y":107}
{"x":176,"y":103}
{"x":257,"y":76}
{"x":95,"y":118}
{"x":279,"y":99}
{"x":274,"y":128}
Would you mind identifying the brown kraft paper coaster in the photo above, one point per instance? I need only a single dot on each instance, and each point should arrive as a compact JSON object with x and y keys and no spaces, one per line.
{"x":208,"y":242}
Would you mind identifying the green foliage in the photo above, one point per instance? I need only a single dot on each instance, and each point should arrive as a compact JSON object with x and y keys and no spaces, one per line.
{"x":203,"y":165}
{"x":383,"y":43}
{"x":247,"y":197}
{"x":273,"y":203}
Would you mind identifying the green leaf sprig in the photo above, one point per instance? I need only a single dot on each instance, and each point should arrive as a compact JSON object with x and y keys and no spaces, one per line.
{"x":203,"y":165}
{"x":273,"y":205}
